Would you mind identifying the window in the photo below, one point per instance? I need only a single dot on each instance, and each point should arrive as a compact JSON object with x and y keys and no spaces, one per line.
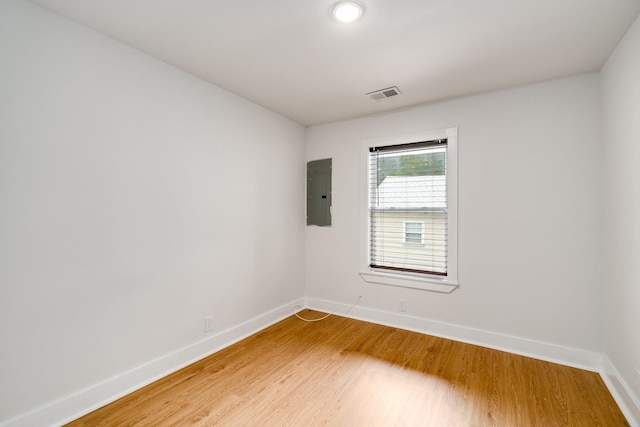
{"x":408,"y":183}
{"x":413,"y":232}
{"x":411,"y":210}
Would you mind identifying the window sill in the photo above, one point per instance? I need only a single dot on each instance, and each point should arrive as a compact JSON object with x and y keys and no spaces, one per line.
{"x":425,"y":284}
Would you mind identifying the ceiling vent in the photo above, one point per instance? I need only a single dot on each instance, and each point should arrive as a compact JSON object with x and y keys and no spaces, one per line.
{"x":381,"y":94}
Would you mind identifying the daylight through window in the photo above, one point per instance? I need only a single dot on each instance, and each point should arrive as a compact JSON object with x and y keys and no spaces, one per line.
{"x":408,"y":207}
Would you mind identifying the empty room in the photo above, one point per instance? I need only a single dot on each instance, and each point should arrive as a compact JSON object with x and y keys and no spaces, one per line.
{"x":311,"y":212}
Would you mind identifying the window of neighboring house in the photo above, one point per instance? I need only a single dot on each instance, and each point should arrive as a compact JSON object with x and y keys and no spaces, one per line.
{"x":413,"y":232}
{"x":411,"y":210}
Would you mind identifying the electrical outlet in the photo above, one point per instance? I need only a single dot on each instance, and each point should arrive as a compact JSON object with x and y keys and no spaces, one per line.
{"x":208,"y":323}
{"x":402,"y":304}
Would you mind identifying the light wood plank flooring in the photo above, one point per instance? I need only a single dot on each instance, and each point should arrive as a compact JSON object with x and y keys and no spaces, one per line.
{"x":344,"y":372}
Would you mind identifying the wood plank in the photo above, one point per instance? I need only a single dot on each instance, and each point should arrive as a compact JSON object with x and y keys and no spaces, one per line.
{"x":344,"y":372}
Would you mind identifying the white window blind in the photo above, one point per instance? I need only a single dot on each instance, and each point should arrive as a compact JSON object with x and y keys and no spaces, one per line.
{"x":408,"y":207}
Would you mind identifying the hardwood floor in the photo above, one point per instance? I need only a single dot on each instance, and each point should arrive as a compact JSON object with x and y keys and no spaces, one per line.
{"x":344,"y":372}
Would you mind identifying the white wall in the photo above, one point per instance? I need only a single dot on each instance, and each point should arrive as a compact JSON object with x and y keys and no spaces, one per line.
{"x":529,"y":222}
{"x":135,"y":200}
{"x":621,"y":153}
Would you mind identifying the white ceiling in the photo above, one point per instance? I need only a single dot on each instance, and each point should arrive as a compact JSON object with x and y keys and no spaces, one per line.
{"x":289,"y":56}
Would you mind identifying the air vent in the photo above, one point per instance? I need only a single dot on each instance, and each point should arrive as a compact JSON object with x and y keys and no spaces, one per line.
{"x":381,"y":94}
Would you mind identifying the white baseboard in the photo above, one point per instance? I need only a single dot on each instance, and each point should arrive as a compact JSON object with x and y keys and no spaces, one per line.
{"x":628,"y":402}
{"x":588,"y":360}
{"x":84,"y":401}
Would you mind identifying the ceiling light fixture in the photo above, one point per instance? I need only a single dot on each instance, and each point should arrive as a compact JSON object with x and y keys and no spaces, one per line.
{"x":347,"y":11}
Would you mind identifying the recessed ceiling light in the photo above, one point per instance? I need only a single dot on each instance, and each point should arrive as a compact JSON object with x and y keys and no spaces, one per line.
{"x":347,"y":11}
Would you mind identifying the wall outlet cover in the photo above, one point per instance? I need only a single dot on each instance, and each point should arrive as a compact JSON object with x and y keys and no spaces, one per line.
{"x":208,"y":323}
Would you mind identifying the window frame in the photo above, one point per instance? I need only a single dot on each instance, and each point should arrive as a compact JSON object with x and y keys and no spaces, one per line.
{"x":445,"y":284}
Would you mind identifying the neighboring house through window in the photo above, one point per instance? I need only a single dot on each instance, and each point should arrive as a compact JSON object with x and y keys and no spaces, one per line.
{"x":411,"y":210}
